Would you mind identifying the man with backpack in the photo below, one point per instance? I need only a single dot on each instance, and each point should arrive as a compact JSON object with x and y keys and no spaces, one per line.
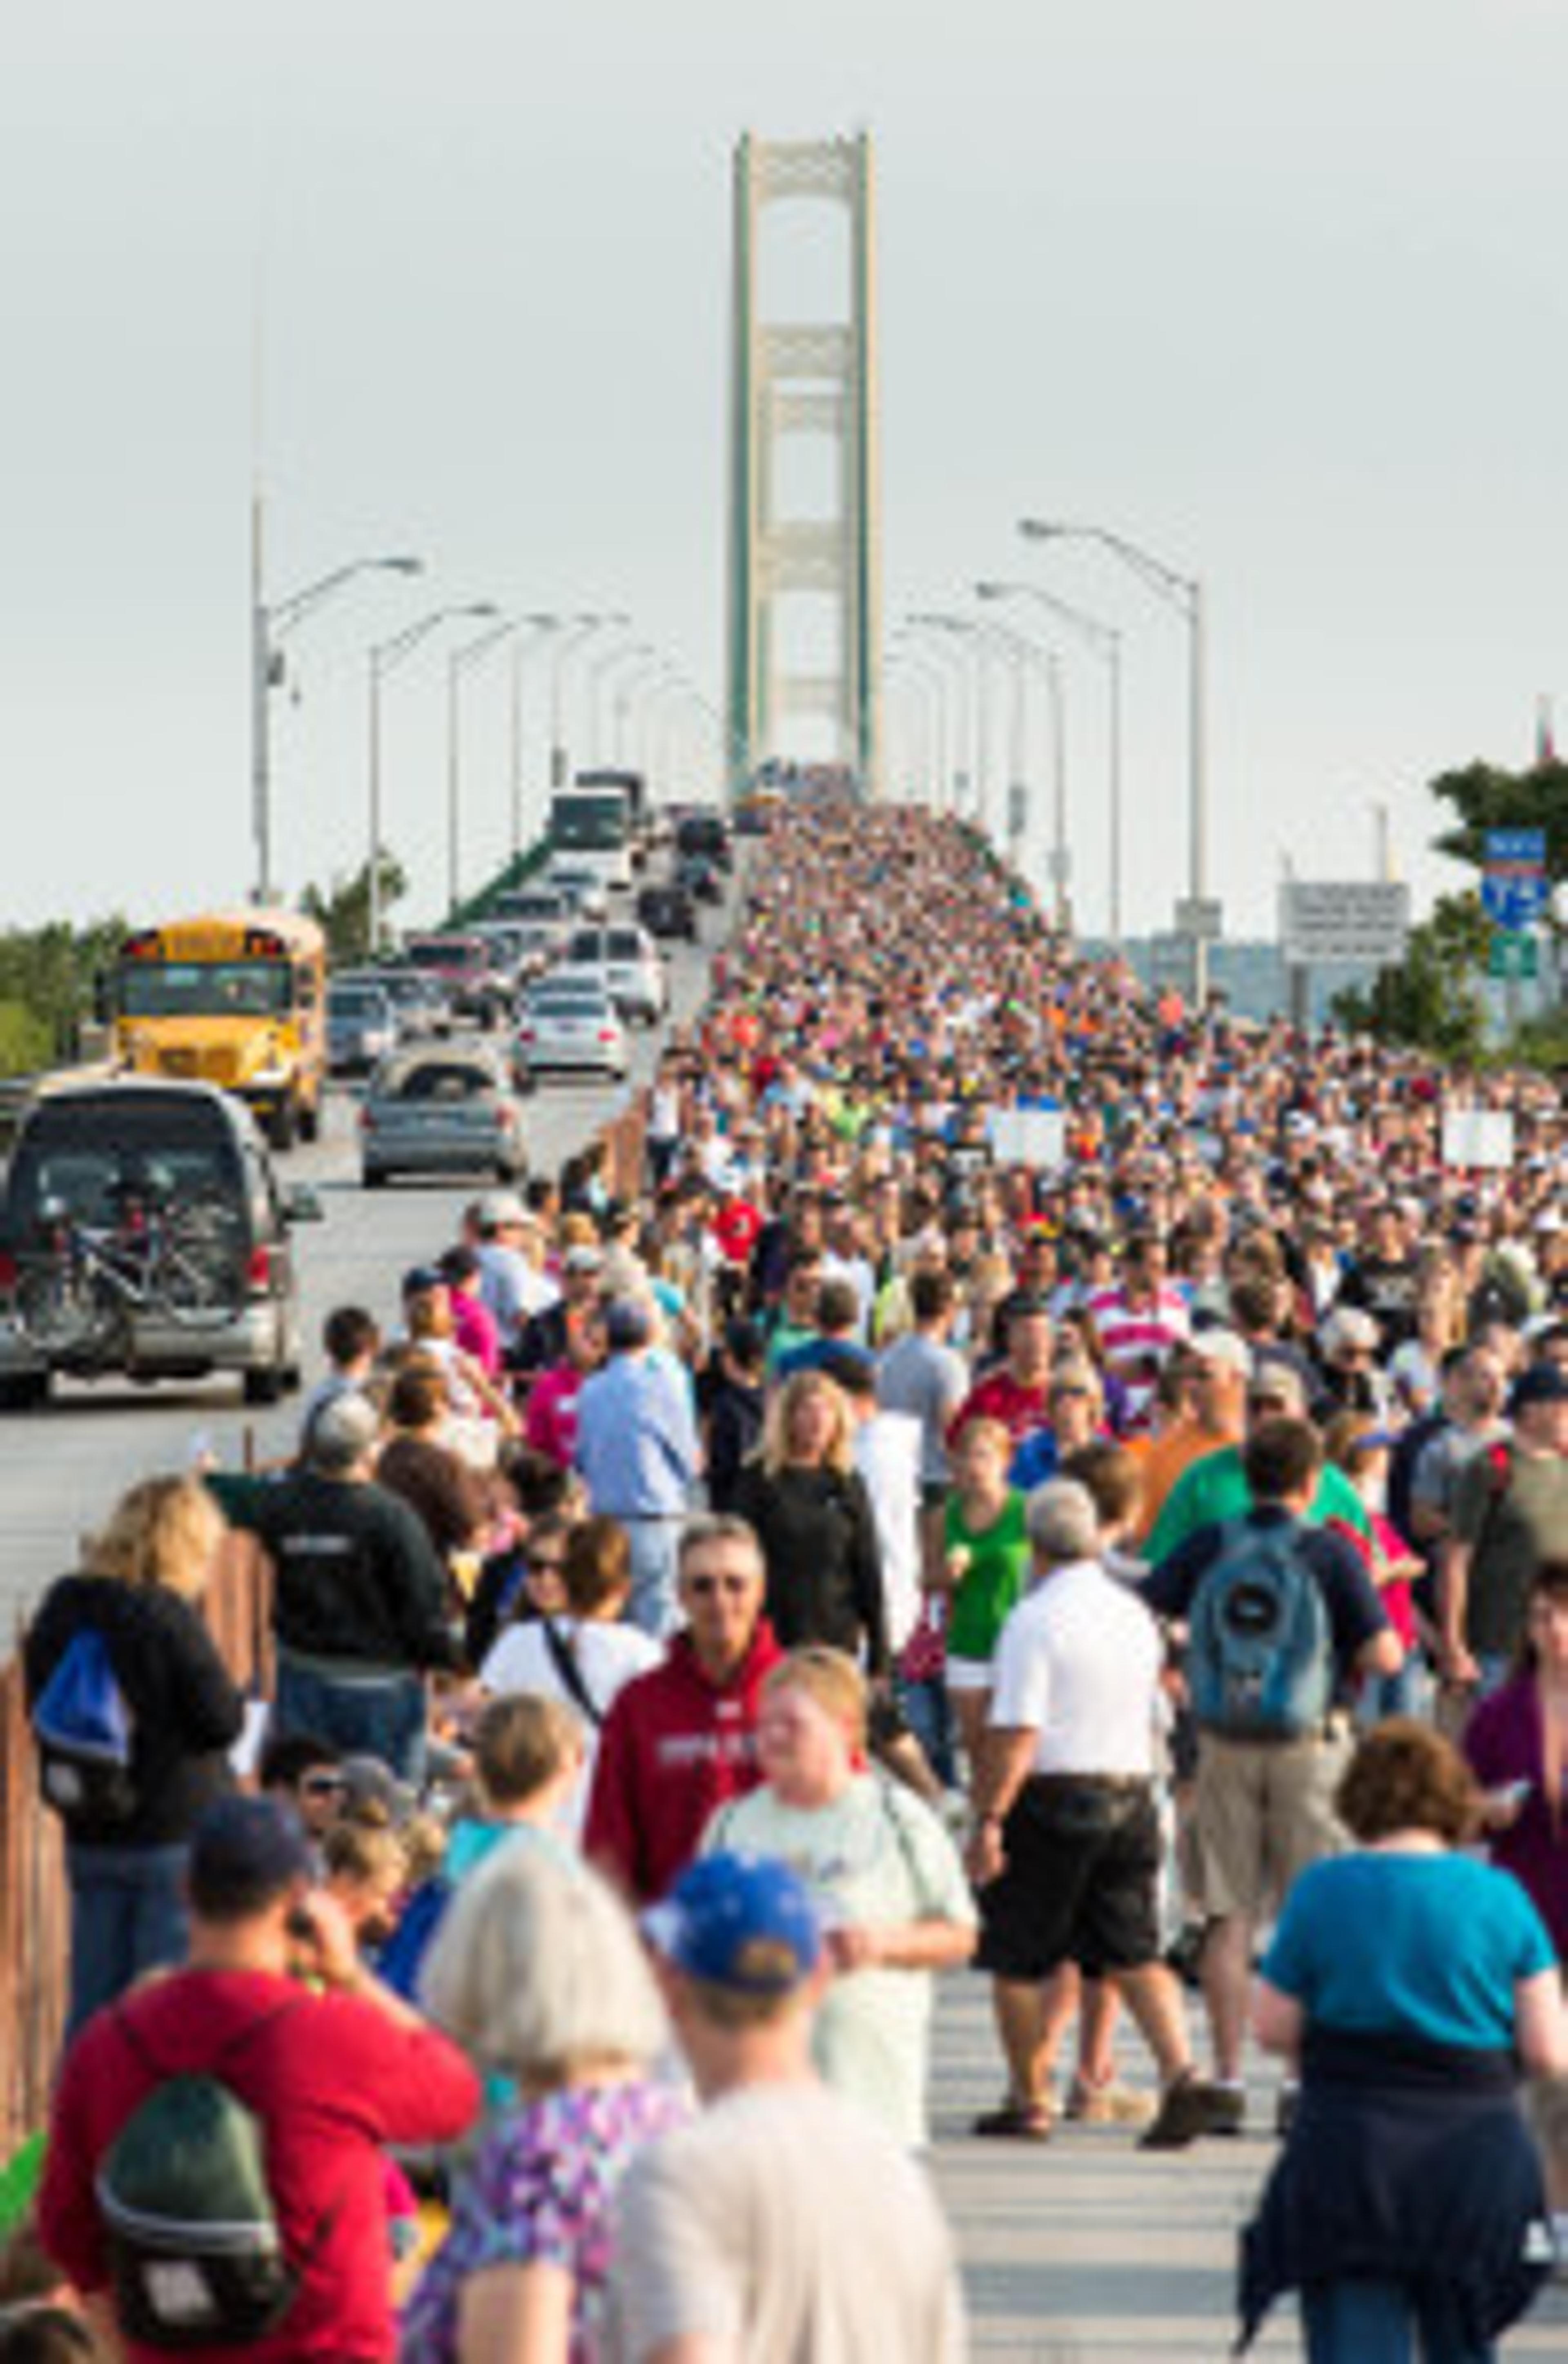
{"x":1280,"y":1615}
{"x":215,"y":2176}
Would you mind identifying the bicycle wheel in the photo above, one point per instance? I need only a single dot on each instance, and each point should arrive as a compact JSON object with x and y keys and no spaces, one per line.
{"x":198,"y":1280}
{"x":64,"y":1306}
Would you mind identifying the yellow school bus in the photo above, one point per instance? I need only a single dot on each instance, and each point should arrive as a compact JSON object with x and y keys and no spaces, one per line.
{"x":233,"y":997}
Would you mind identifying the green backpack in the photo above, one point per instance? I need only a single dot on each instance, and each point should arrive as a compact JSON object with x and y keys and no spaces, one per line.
{"x":195,"y":2243}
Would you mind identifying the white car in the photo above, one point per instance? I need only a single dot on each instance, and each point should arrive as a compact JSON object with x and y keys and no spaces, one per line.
{"x":585,"y":890}
{"x":626,"y":962}
{"x":569,"y":1025}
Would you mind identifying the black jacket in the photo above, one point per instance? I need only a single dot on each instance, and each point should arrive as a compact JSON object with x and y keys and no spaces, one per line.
{"x":734,"y":1431}
{"x":818,"y":1538}
{"x":358,"y":1578}
{"x":187,"y":1712}
{"x":1409,"y":2161}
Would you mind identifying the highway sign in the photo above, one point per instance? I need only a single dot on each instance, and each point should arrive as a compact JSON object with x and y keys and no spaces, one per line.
{"x":1514,"y":956}
{"x":1200,"y":919}
{"x":1513,"y":898}
{"x":1514,"y":889}
{"x":1352,"y":919}
{"x":1515,"y":849}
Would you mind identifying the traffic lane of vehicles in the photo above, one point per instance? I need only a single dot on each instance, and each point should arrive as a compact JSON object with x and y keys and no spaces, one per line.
{"x":62,"y":1472}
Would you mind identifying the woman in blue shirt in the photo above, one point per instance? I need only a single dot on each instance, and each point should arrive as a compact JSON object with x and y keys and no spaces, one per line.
{"x":1408,"y":1984}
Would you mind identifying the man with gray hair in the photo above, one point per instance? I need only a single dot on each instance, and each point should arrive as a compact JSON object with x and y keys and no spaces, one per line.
{"x":1066,"y":1849}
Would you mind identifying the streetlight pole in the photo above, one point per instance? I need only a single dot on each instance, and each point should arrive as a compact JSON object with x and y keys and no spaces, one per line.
{"x":627,"y":693}
{"x":458,"y":662}
{"x":575,"y":630}
{"x":522,"y":649}
{"x":1107,"y":640}
{"x":385,"y":658}
{"x":634,"y":653}
{"x":1184,"y":593}
{"x":972,"y":732}
{"x":935,"y":683}
{"x":269,"y":624}
{"x":1023,"y":650}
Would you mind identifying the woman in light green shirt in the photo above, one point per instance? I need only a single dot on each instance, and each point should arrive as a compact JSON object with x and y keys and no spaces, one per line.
{"x":986,"y":1560}
{"x":893,"y":1891}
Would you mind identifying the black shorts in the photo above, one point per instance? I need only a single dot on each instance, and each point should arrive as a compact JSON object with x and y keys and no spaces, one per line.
{"x":1081,"y":1882}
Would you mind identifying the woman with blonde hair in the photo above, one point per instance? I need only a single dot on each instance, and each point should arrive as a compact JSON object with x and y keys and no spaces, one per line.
{"x":896,"y":1898}
{"x":538,"y":1972}
{"x":809,"y":1509}
{"x":134,"y":1606}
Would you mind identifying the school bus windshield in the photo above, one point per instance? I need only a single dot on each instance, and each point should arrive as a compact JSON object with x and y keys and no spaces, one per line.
{"x":205,"y":988}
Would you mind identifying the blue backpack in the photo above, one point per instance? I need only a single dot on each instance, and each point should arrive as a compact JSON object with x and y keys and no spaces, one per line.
{"x":1260,"y":1648}
{"x":85,"y":1732}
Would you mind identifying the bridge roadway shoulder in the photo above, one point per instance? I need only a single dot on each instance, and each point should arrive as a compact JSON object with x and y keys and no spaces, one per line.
{"x":1084,"y":2249}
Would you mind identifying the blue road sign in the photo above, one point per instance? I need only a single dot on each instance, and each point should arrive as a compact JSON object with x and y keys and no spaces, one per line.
{"x":1511,"y":900}
{"x":1523,"y":849}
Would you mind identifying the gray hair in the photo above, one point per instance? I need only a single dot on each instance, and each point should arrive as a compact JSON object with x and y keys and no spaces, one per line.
{"x":1062,"y":1523}
{"x":536,"y":1969}
{"x":720,"y":1527}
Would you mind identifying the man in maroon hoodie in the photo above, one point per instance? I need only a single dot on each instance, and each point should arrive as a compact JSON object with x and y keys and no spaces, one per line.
{"x":681,"y":1739}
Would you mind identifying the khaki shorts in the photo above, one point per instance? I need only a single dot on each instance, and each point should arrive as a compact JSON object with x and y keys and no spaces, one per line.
{"x":1262,"y":1813}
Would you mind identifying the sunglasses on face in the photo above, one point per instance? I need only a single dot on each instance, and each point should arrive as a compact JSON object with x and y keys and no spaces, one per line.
{"x":544,"y":1564}
{"x":323,"y":1785}
{"x":704,"y":1587}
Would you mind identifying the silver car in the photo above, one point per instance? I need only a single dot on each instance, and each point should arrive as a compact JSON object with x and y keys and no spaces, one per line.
{"x":570,"y":1026}
{"x":441,"y":1108}
{"x":362,"y":1026}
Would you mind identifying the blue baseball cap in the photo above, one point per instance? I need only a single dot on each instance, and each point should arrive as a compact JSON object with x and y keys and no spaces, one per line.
{"x":743,"y":1922}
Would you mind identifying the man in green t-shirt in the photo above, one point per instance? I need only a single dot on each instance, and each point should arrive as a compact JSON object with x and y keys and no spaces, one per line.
{"x":1215,"y":1488}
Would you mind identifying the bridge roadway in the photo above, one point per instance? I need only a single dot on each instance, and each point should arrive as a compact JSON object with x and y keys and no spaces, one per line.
{"x":63,"y":1469}
{"x":1081,"y":2251}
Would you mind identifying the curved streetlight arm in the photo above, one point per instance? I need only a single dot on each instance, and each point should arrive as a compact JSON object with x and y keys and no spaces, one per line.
{"x":1099,"y":634}
{"x":1183,"y":590}
{"x":284,"y":614}
{"x":387,"y":653}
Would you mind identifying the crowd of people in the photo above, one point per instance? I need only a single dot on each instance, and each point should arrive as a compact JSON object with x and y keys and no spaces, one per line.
{"x":1036,"y":1478}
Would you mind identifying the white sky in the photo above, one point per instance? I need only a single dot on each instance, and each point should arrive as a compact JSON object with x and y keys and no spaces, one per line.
{"x":1278,"y":292}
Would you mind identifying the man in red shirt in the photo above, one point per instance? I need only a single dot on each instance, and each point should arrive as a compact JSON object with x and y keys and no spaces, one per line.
{"x":681,"y":1739}
{"x":333,"y":2076}
{"x":1018,"y":1395}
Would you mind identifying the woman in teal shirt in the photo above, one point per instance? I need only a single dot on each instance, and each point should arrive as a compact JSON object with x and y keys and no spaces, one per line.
{"x":1409,"y":1983}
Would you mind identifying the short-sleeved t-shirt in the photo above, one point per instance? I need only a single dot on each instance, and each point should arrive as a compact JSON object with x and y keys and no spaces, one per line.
{"x":1216,"y":1488}
{"x":784,"y":2223}
{"x":1350,"y":1596}
{"x":1430,"y":1945}
{"x":1514,"y":1518}
{"x":877,"y":1858}
{"x":997,"y":1571}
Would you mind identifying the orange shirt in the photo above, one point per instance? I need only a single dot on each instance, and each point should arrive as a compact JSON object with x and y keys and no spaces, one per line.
{"x":1173,"y":1450}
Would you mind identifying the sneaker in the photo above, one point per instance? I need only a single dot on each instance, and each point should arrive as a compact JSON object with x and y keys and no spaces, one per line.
{"x":1187,"y":2109}
{"x":1110,"y":2104}
{"x":1016,"y":2122}
{"x":1228,"y":2105}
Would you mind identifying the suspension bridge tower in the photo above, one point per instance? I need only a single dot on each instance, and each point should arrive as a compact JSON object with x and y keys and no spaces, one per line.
{"x":804,"y":595}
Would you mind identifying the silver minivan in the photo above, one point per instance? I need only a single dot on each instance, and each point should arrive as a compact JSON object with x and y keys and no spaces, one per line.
{"x":143,"y":1231}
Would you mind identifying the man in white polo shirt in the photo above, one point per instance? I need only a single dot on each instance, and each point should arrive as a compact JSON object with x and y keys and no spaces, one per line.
{"x":1066,"y":1851}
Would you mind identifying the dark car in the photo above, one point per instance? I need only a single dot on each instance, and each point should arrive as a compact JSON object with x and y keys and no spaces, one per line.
{"x":700,"y":878}
{"x":704,"y":833}
{"x":668,"y":909}
{"x":143,"y":1230}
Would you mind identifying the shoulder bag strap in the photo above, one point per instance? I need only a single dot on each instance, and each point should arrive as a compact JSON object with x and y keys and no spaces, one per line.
{"x":564,"y":1659}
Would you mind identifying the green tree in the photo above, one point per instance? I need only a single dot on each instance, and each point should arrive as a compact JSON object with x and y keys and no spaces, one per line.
{"x":47,"y":981}
{"x":344,"y":910}
{"x":1483,"y":797}
{"x":1433,"y":999}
